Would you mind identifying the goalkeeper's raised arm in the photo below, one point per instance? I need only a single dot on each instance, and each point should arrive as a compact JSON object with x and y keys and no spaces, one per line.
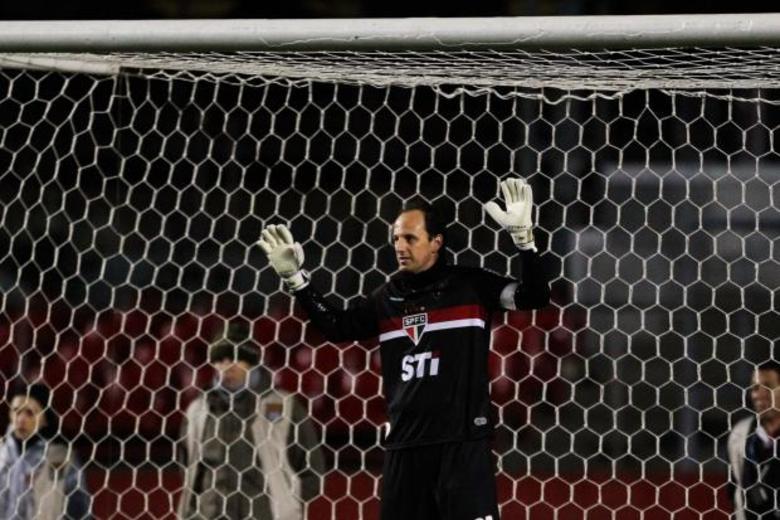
{"x":286,"y":257}
{"x":532,"y":291}
{"x":433,"y":324}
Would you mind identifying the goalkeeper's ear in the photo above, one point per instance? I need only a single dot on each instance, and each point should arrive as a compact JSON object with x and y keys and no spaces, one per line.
{"x":438,"y":242}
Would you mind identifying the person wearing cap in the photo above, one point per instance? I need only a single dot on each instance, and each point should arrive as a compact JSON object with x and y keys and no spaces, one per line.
{"x":248,"y":451}
{"x":39,"y":478}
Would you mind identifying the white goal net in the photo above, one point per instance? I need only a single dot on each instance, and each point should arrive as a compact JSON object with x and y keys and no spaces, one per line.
{"x":132,"y":196}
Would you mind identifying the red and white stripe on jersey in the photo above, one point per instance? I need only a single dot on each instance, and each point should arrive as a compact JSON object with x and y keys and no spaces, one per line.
{"x":457,"y":317}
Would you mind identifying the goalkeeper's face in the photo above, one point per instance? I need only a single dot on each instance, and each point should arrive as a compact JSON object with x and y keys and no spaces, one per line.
{"x":765,"y":392}
{"x":415,"y":249}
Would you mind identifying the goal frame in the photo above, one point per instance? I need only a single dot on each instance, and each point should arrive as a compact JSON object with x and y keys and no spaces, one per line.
{"x":529,"y":33}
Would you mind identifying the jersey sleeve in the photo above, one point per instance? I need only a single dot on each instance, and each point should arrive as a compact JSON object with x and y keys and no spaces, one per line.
{"x":358,"y":322}
{"x":531,"y":290}
{"x":490,"y":287}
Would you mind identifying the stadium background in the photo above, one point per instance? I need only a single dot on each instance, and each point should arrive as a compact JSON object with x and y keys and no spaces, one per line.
{"x":131,"y":207}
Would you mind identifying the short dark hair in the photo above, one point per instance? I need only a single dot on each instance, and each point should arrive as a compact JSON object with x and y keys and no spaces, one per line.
{"x":434,"y":221}
{"x":41,"y":393}
{"x":235,"y":344}
{"x":36,"y":391}
{"x":247,"y":351}
{"x":772,"y":365}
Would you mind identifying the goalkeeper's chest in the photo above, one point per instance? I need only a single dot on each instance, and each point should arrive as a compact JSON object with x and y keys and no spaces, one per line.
{"x":449,"y":291}
{"x":441,"y":312}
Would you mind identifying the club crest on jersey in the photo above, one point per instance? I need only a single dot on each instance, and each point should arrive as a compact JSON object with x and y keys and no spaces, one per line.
{"x":415,"y":326}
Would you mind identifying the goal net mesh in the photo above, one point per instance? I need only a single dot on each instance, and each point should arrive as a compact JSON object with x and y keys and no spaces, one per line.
{"x":133,"y":188}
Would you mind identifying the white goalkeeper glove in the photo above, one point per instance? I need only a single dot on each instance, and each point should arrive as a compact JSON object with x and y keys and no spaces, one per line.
{"x":518,"y":217}
{"x":285,"y":255}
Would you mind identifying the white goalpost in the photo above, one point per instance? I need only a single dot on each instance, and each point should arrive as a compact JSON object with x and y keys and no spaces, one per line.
{"x":140,"y":160}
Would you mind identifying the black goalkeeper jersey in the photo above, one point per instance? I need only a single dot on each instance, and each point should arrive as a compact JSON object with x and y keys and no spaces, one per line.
{"x":434,"y":336}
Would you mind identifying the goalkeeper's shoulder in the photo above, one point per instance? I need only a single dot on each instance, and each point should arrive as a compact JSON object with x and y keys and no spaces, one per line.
{"x":504,"y":291}
{"x":529,"y":259}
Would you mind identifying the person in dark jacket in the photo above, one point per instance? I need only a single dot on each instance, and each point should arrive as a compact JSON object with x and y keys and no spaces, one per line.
{"x":433,"y":324}
{"x":754,"y":450}
{"x":248,"y":451}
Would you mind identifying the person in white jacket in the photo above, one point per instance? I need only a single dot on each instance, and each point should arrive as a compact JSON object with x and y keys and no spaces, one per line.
{"x":754,"y":450}
{"x":39,"y":479}
{"x":248,"y":451}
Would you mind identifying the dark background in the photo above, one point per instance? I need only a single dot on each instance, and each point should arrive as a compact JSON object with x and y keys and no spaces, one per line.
{"x":131,"y":208}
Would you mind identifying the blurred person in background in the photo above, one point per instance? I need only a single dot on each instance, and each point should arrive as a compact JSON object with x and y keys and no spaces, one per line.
{"x":753,"y":450}
{"x":248,"y":451}
{"x":39,"y":478}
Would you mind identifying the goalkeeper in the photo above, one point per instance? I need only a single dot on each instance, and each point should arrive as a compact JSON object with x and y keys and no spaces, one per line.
{"x":433,"y":323}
